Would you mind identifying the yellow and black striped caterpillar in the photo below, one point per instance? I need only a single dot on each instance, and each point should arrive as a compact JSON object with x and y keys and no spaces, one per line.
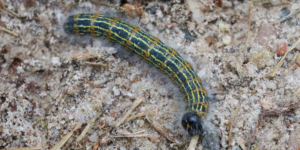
{"x":153,"y":51}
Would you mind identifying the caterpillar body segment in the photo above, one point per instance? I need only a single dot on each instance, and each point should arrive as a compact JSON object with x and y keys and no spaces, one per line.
{"x":151,"y":50}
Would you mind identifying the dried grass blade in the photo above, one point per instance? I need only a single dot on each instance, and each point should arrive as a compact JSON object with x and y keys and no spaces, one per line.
{"x":193,"y":143}
{"x":273,"y":72}
{"x":135,"y":104}
{"x":234,"y":115}
{"x":88,"y":127}
{"x":66,"y":138}
{"x":140,"y":115}
{"x":8,"y":31}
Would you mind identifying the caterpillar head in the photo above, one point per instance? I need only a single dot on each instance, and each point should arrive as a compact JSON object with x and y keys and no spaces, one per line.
{"x":192,"y":123}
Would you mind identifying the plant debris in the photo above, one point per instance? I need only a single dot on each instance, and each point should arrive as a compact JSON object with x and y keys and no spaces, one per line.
{"x":51,"y":82}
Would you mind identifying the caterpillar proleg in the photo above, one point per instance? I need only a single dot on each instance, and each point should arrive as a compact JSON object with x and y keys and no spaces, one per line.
{"x":151,"y":50}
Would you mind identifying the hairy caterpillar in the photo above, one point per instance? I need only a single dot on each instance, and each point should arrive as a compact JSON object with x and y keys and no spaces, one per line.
{"x":151,"y":50}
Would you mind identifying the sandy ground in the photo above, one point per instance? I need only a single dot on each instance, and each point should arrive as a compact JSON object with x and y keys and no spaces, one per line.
{"x":47,"y":86}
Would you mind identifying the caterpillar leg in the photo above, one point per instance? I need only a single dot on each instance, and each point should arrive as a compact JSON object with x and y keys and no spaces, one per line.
{"x":192,"y":123}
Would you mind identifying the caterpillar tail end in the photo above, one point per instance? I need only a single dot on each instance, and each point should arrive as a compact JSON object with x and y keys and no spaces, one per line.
{"x":192,"y":123}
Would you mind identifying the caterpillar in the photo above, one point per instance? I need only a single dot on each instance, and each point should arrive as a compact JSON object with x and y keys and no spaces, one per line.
{"x":151,"y":50}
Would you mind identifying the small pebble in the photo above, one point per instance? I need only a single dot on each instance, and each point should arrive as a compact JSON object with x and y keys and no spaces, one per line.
{"x":284,"y":12}
{"x":20,"y":69}
{"x":56,"y":61}
{"x":141,"y":123}
{"x":223,"y":26}
{"x":226,"y":39}
{"x":188,"y":36}
{"x":240,"y":124}
{"x":218,"y":3}
{"x":282,"y":48}
{"x":116,"y":91}
{"x":210,"y":40}
{"x":154,"y":138}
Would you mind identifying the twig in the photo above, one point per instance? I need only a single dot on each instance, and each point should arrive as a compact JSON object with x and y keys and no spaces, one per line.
{"x":279,"y":110}
{"x":162,"y":130}
{"x":193,"y":142}
{"x":252,"y":138}
{"x":249,"y":25}
{"x":66,"y":138}
{"x":90,"y":56}
{"x":273,"y":72}
{"x":240,"y":56}
{"x":96,"y":146}
{"x":288,"y":16}
{"x":88,"y":127}
{"x":140,"y":115}
{"x":128,"y":135}
{"x":97,"y":64}
{"x":8,"y":31}
{"x":3,"y":7}
{"x":273,"y":112}
{"x":119,"y":122}
{"x":137,"y":134}
{"x":234,"y":115}
{"x":135,"y":104}
{"x":87,"y":56}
